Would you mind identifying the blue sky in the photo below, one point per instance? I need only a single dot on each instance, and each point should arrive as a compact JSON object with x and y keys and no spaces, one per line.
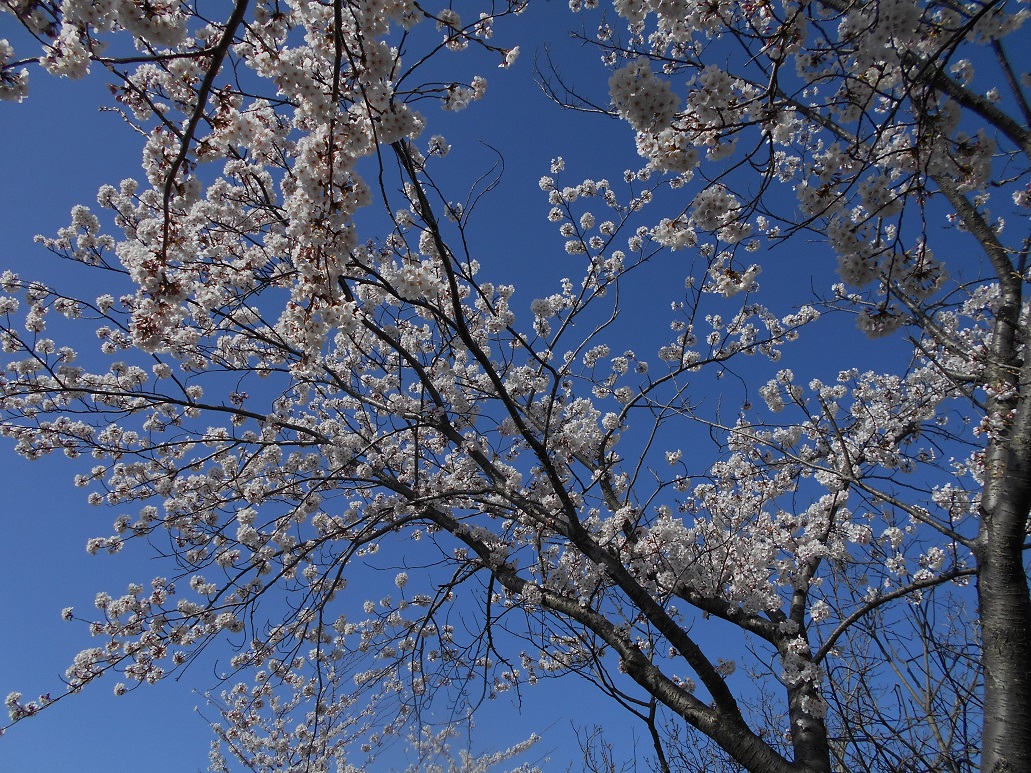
{"x":58,"y":149}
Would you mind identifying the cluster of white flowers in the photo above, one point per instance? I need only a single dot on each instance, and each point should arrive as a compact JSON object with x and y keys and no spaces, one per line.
{"x":459,"y":95}
{"x":859,"y":183}
{"x":675,"y":234}
{"x":646,"y":101}
{"x":14,"y":83}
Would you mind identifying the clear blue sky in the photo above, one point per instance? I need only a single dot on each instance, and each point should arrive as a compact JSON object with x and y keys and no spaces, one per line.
{"x":57,"y":150}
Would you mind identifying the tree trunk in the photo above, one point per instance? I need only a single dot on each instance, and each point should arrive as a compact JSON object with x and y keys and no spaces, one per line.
{"x":1005,"y":606}
{"x":1006,"y":631}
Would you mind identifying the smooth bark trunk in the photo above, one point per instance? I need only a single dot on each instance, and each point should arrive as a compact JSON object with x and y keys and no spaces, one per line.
{"x":1005,"y":604}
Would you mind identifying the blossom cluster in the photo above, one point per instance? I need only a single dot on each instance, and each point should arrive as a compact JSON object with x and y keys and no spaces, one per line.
{"x":789,"y":98}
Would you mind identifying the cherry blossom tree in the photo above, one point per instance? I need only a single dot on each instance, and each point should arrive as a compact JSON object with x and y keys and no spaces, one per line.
{"x":286,"y":397}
